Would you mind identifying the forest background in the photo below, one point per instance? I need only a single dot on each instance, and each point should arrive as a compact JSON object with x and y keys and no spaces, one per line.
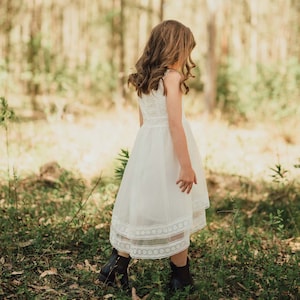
{"x":66,"y":113}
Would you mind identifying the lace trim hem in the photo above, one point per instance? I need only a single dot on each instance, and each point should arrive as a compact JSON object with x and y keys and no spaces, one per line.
{"x":158,"y":246}
{"x":149,"y":232}
{"x":158,"y":231}
{"x":149,"y":252}
{"x":155,"y":248}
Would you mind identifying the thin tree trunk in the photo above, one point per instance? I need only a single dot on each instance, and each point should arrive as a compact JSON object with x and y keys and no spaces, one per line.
{"x":225,"y":37}
{"x":137,"y":36}
{"x":149,"y":15}
{"x":253,"y":36}
{"x":33,"y":53}
{"x":161,"y":10}
{"x":122,"y":81}
{"x":211,"y":66}
{"x":8,"y":28}
{"x":112,"y":37}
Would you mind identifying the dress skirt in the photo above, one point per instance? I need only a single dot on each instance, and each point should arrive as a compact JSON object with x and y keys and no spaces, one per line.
{"x":152,"y":218}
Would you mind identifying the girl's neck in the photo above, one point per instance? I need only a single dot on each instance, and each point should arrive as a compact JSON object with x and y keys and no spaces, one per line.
{"x":175,"y":67}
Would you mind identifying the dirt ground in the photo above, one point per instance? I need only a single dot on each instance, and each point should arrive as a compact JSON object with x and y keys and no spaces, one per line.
{"x":89,"y":144}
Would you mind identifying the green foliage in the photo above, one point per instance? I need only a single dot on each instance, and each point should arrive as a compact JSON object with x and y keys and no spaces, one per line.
{"x":103,"y":80}
{"x":123,"y":158}
{"x":196,"y":83}
{"x":279,"y":173}
{"x":259,"y":91}
{"x":297,"y":166}
{"x":6,"y":113}
{"x":275,"y":222}
{"x":4,"y":76}
{"x":251,"y":267}
{"x":54,"y":242}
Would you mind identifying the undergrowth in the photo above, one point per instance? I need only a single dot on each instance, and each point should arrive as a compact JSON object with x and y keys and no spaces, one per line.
{"x":54,"y":239}
{"x":259,"y":90}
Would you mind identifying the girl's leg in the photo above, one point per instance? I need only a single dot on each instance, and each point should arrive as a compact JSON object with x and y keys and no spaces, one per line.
{"x":181,"y":276}
{"x":180,"y":259}
{"x":124,"y":254}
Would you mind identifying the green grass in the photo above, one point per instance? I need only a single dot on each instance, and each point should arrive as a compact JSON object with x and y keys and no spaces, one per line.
{"x":54,"y":239}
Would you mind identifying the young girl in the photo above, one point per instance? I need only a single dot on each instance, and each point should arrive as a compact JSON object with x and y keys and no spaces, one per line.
{"x":163,"y":195}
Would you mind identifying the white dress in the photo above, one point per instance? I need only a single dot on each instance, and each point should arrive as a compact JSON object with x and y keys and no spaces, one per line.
{"x":152,"y":218}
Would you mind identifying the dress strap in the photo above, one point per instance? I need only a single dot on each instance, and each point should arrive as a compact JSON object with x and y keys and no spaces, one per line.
{"x":172,"y":70}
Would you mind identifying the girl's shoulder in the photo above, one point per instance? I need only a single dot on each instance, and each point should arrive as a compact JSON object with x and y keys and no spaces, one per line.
{"x":172,"y":73}
{"x":172,"y":77}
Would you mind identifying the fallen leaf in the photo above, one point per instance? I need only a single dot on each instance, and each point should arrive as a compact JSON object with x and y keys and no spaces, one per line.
{"x":294,"y":244}
{"x":101,"y":225}
{"x":108,"y":296}
{"x":44,"y":288}
{"x":90,"y":267}
{"x":52,"y":271}
{"x":242,"y":286}
{"x":17,"y":273}
{"x":74,"y":286}
{"x":36,"y":287}
{"x":16,"y":282}
{"x":63,"y":252}
{"x":8,"y":266}
{"x":25,"y":244}
{"x":80,"y":267}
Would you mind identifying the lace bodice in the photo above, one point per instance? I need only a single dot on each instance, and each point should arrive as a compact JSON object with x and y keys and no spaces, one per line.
{"x":154,"y":108}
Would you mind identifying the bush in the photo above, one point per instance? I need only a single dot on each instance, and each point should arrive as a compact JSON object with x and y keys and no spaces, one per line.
{"x":256,"y":91}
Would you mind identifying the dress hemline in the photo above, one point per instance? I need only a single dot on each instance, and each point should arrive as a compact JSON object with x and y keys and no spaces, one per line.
{"x":144,"y":253}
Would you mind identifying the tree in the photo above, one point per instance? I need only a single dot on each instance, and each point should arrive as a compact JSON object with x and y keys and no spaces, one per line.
{"x":161,"y":10}
{"x":210,"y":88}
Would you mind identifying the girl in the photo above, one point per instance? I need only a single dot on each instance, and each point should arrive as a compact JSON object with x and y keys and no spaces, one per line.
{"x":163,"y":195}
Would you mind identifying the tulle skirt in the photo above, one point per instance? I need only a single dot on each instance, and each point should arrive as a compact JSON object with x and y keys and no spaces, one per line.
{"x":152,"y":218}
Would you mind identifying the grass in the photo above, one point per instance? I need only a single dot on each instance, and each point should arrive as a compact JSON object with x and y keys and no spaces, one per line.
{"x":54,"y":238}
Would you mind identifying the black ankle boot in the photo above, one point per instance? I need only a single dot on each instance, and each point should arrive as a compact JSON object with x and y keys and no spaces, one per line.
{"x":115,"y":271}
{"x":180,"y":277}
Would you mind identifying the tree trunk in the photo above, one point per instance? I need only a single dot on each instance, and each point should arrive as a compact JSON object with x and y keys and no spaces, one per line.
{"x":149,"y":15}
{"x":211,"y":66}
{"x":33,"y":53}
{"x":137,"y":32}
{"x":122,"y":81}
{"x":8,"y":27}
{"x":161,"y":10}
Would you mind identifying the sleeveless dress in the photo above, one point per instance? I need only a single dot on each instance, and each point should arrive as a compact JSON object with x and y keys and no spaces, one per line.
{"x":152,"y":218}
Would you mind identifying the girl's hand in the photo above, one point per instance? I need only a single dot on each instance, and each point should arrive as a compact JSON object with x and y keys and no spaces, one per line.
{"x":187,"y":178}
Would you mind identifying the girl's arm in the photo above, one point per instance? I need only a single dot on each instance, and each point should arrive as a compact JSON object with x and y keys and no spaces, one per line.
{"x":187,"y":175}
{"x":141,"y":117}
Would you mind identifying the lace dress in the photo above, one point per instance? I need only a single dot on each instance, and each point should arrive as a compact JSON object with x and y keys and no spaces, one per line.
{"x":152,"y":218}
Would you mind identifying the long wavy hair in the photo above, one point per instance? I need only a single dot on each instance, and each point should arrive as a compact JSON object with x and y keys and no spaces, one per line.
{"x":170,"y":42}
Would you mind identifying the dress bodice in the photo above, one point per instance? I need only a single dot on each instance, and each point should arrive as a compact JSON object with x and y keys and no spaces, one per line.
{"x":154,"y":107}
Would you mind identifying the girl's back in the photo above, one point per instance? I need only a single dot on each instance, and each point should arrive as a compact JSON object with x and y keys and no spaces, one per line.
{"x":153,"y":107}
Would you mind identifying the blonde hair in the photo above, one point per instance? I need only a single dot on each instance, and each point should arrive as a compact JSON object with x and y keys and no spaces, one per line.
{"x":170,"y":42}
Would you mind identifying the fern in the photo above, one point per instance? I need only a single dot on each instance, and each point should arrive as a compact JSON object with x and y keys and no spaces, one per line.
{"x":123,"y":157}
